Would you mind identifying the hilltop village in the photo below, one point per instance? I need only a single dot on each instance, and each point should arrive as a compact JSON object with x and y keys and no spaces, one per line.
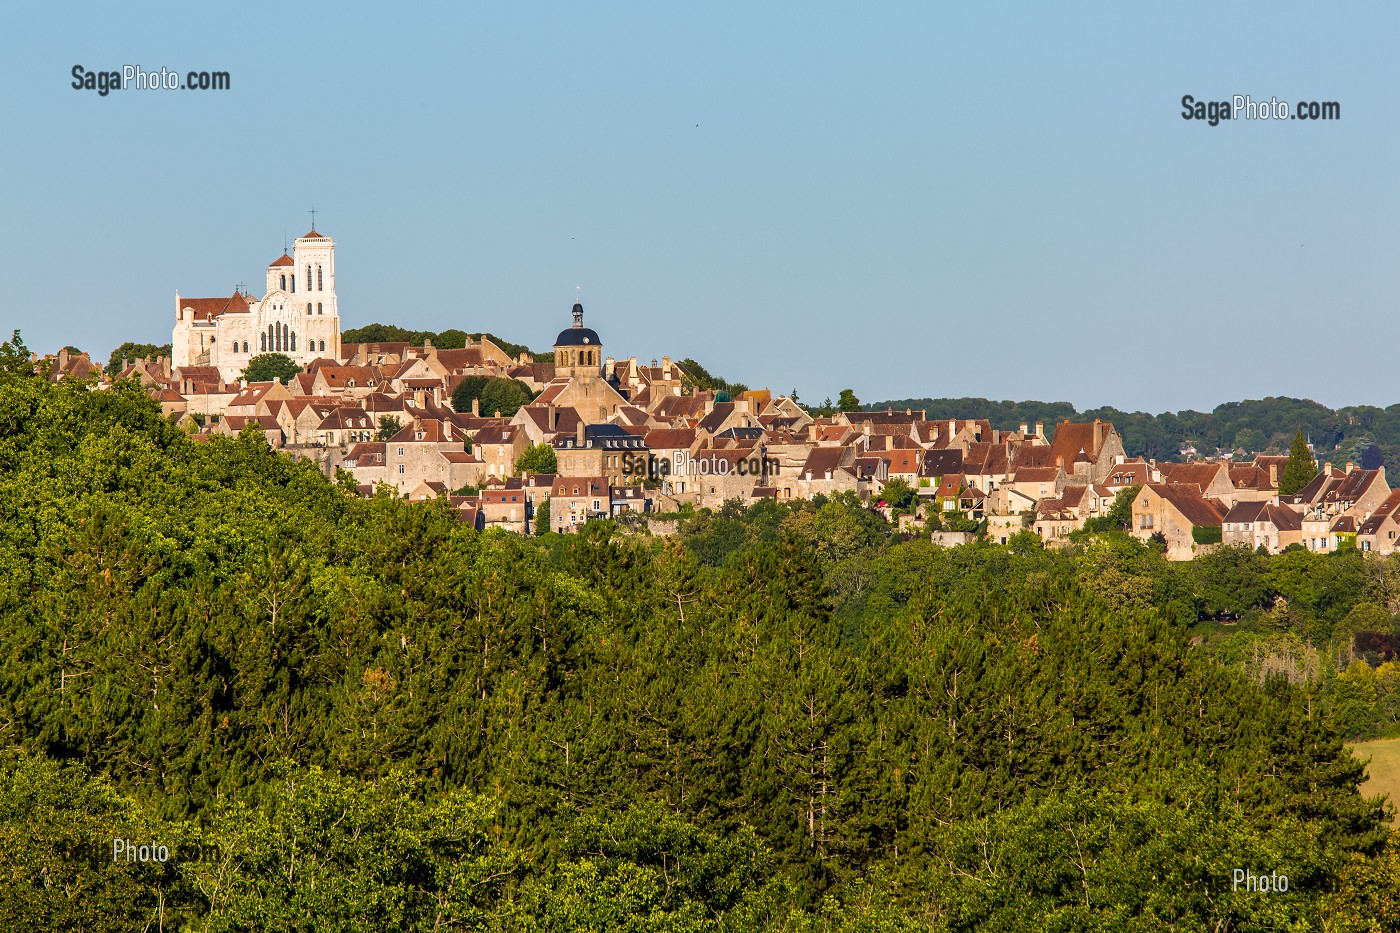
{"x":606,"y":437}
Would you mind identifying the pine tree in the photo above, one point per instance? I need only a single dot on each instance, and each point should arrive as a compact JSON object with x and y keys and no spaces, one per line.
{"x":1301,"y":467}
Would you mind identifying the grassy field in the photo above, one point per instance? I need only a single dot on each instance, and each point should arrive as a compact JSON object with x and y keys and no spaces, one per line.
{"x":1384,"y":770}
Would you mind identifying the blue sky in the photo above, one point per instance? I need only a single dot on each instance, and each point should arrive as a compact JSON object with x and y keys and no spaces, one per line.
{"x":908,"y":199}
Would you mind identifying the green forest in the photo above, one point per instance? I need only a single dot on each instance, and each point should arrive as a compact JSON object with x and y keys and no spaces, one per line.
{"x":1363,"y":434}
{"x":338,"y":713}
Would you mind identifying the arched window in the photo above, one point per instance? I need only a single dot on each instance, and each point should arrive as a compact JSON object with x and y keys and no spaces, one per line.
{"x":323,"y":345}
{"x":282,"y":283}
{"x":294,"y":284}
{"x":308,"y":307}
{"x":308,"y":276}
{"x":235,"y":346}
{"x":294,"y":342}
{"x":245,"y":346}
{"x":320,"y":287}
{"x":318,"y":308}
{"x":262,"y":343}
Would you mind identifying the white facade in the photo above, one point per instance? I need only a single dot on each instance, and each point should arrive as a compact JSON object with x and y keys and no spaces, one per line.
{"x":297,"y":316}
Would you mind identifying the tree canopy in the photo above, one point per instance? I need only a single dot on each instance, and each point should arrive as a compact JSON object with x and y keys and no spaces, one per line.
{"x":1300,"y":469}
{"x":363,"y":714}
{"x":266,"y":367}
{"x":493,"y":394}
{"x":537,"y":458}
{"x":451,"y":339}
{"x":131,"y":352}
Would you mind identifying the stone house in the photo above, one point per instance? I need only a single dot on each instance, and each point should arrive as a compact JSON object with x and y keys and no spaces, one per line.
{"x":575,"y":500}
{"x":1255,"y":524}
{"x":1174,"y":510}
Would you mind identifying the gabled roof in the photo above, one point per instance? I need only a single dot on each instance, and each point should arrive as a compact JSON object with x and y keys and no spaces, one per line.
{"x":565,"y":419}
{"x":346,"y":418}
{"x":1194,"y":507}
{"x":903,"y":461}
{"x":942,"y":462}
{"x":459,"y":359}
{"x":206,"y":309}
{"x":496,"y":434}
{"x":680,"y":406}
{"x":431,"y":430}
{"x":1263,"y":511}
{"x":670,"y":439}
{"x":822,"y":462}
{"x":581,"y":486}
{"x":1200,"y":475}
{"x":366,"y":453}
{"x":1351,"y":486}
{"x":717,"y":416}
{"x":1072,"y":437}
{"x":1037,"y":475}
{"x":1389,"y":509}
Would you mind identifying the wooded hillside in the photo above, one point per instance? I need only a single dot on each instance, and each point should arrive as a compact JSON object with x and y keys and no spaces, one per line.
{"x":354,"y":714}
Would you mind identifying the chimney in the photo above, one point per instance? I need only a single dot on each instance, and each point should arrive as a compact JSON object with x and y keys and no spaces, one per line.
{"x":1350,"y":466}
{"x":1040,"y":429}
{"x":551,"y":418}
{"x":867,"y":429}
{"x":1273,"y":475}
{"x":1327,"y":468}
{"x":665,"y":367}
{"x":996,"y":437}
{"x":62,"y":357}
{"x":952,"y":427}
{"x":476,"y":408}
{"x":1098,"y":436}
{"x":578,"y":433}
{"x":1024,"y":429}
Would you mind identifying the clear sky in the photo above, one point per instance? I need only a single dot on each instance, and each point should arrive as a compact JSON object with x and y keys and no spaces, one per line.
{"x":908,"y":199}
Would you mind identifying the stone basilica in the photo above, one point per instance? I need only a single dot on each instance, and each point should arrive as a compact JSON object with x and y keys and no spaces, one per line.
{"x":297,"y":315}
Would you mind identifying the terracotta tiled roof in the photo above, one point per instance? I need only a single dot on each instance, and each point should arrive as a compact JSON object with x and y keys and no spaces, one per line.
{"x":822,"y":462}
{"x":206,"y":309}
{"x":1248,"y":513}
{"x":1196,"y":508}
{"x":283,"y":260}
{"x":670,"y":439}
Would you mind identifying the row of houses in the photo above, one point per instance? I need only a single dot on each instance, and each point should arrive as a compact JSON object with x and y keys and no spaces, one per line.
{"x":629,"y":437}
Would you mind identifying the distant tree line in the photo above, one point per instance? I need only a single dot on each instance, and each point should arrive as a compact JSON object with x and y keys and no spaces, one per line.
{"x":451,"y":339}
